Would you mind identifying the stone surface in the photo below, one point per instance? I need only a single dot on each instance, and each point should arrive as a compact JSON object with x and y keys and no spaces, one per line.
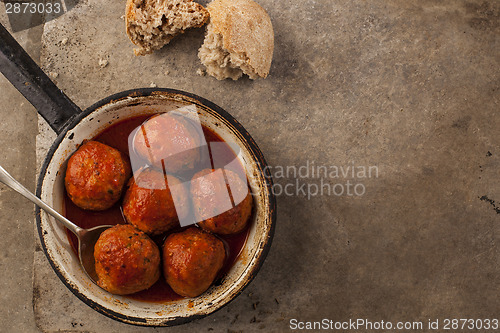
{"x":17,"y":138}
{"x":411,"y":88}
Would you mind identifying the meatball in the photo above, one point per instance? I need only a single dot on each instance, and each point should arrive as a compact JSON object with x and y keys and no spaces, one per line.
{"x":191,"y":261}
{"x":213,"y":205}
{"x":126,"y":260}
{"x":155,"y":202}
{"x":96,"y":175}
{"x":169,"y":138}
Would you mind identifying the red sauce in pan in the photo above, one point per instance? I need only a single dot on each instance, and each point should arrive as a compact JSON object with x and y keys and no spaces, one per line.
{"x":117,"y":136}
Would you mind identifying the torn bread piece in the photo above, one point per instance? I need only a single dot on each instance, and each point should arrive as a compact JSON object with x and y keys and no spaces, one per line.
{"x":151,"y":24}
{"x":239,"y":40}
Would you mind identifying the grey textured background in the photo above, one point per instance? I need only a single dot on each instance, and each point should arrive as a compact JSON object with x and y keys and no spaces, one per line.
{"x":409,"y":87}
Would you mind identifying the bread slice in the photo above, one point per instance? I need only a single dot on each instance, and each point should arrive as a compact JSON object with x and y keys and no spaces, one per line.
{"x":239,"y":40}
{"x":151,"y":24}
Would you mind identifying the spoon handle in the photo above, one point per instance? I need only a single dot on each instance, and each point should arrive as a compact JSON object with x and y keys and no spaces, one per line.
{"x":8,"y":180}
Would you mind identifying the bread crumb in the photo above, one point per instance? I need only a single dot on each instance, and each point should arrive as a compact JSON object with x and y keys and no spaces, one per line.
{"x":166,"y":72}
{"x":122,"y":17}
{"x":64,"y":41}
{"x":103,"y":63}
{"x":53,"y":75}
{"x":234,"y":44}
{"x":201,"y":72}
{"x":153,"y":85}
{"x":151,"y":24}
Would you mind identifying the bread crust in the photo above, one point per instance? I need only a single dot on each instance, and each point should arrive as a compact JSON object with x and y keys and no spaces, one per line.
{"x":246,"y":31}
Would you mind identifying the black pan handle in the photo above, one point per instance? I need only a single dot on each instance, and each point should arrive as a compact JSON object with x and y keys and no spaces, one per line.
{"x":24,"y":74}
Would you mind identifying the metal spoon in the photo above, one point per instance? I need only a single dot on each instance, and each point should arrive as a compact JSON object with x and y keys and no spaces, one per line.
{"x":86,"y":237}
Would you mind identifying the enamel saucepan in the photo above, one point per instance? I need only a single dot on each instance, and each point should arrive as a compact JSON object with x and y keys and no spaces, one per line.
{"x":73,"y":126}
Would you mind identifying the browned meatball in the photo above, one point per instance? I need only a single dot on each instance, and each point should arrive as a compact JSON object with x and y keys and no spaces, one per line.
{"x":126,"y":260}
{"x":169,"y":138}
{"x":149,"y":202}
{"x":96,"y":175}
{"x":191,"y":261}
{"x":213,"y":205}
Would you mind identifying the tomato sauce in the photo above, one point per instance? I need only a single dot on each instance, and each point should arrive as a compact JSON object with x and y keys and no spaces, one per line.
{"x":116,"y":136}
